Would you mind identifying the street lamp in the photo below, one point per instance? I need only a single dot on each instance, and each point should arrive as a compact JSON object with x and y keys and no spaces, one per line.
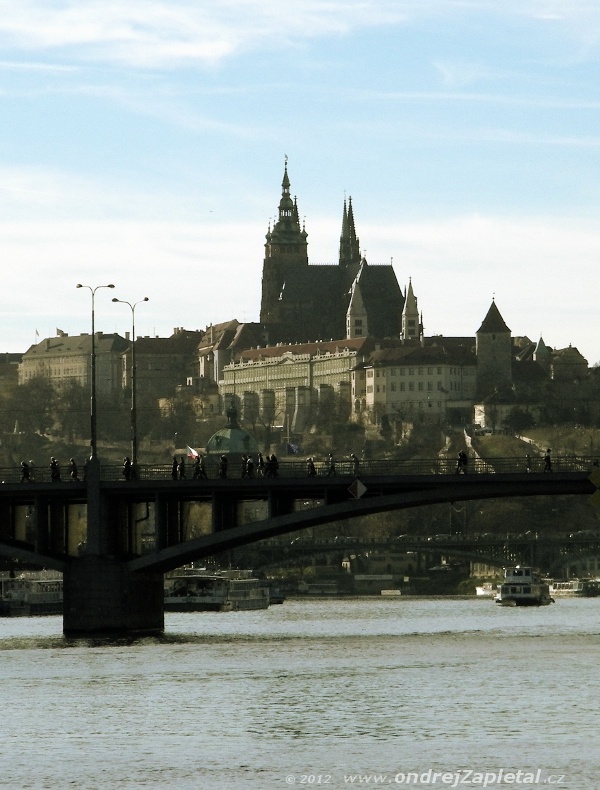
{"x":93,"y":431}
{"x":133,"y":383}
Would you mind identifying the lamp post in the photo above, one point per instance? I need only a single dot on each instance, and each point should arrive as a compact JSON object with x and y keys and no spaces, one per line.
{"x":133,"y":383}
{"x":93,"y":431}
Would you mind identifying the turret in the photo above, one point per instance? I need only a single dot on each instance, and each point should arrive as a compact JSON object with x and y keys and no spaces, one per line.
{"x":494,"y":353}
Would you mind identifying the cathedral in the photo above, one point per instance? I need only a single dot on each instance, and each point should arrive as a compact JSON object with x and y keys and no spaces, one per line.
{"x":308,"y":302}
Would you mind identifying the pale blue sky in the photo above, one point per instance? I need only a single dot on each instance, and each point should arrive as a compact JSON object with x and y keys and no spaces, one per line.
{"x":143,"y":144}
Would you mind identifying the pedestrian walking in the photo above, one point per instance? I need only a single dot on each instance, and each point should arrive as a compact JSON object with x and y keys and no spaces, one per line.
{"x":181,"y":468}
{"x":548,"y":461}
{"x":355,"y":464}
{"x":25,"y":472}
{"x":127,"y":467}
{"x":223,"y":463}
{"x":202,"y":468}
{"x":174,"y":468}
{"x":54,"y":470}
{"x":260,"y":465}
{"x":73,"y":470}
{"x":331,"y":466}
{"x":249,"y":467}
{"x":461,"y":463}
{"x":244,"y":468}
{"x":310,"y":467}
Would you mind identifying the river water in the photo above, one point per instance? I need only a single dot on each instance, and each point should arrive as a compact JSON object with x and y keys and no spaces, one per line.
{"x":405,"y":692}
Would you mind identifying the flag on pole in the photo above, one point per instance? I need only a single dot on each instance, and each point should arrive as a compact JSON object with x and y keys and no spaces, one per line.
{"x":292,"y":449}
{"x":191,"y":453}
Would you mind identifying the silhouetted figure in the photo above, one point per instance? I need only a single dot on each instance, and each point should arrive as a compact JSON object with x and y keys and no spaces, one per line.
{"x":244,"y":467}
{"x":274,"y":465}
{"x":181,"y":468}
{"x":174,"y":468}
{"x":310,"y":467}
{"x":127,"y":467}
{"x":202,"y":468}
{"x":25,"y":472}
{"x":54,"y":470}
{"x":548,"y":461}
{"x":355,"y":464}
{"x":461,"y":463}
{"x":331,"y":466}
{"x":249,"y":467}
{"x":260,"y":465}
{"x":73,"y":474}
{"x":223,"y":463}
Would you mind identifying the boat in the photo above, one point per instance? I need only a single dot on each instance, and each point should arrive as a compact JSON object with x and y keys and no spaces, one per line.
{"x":220,"y":592}
{"x":584,"y":588}
{"x":27,"y":595}
{"x":486,"y":590}
{"x":521,"y":586}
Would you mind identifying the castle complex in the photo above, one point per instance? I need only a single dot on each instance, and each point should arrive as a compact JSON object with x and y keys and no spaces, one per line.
{"x":343,"y":336}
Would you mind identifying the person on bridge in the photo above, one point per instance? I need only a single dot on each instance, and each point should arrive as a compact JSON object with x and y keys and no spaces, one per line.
{"x":25,"y":472}
{"x":73,"y":474}
{"x":249,"y":467}
{"x":127,"y":467}
{"x":54,"y":470}
{"x":174,"y":468}
{"x":223,"y":467}
{"x":181,"y":468}
{"x":260,"y":465}
{"x":331,"y":466}
{"x":548,"y":461}
{"x":461,"y":465}
{"x":310,"y":467}
{"x":355,"y":464}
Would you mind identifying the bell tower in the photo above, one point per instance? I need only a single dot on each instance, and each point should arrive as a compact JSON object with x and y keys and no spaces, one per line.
{"x":286,"y":249}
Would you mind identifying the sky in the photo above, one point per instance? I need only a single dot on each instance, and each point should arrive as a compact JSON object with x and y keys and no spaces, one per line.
{"x":143,"y":144}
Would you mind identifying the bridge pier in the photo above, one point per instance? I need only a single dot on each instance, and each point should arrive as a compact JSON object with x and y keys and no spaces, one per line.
{"x":102,"y":597}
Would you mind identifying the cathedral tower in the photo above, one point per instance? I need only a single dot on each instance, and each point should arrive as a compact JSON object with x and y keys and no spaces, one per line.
{"x":286,"y":249}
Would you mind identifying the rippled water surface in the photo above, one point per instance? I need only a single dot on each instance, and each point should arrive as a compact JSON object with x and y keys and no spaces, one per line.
{"x":311,"y":692}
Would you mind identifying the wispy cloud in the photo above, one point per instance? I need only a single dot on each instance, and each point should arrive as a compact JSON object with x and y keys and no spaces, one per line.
{"x":182,"y":32}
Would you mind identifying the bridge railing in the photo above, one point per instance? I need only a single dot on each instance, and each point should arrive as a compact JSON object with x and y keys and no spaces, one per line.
{"x":290,"y":468}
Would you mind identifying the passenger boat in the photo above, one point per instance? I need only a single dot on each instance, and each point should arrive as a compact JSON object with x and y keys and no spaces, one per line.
{"x":584,"y":588}
{"x":198,"y":592}
{"x":24,"y":596}
{"x":522,"y":587}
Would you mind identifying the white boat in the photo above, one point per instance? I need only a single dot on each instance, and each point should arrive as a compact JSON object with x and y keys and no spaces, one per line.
{"x":523,"y":587}
{"x":28,"y":595}
{"x":585,"y":588}
{"x":199,"y":592}
{"x":486,"y":590}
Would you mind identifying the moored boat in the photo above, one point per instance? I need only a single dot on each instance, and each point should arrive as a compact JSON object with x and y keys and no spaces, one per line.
{"x":28,"y":595}
{"x":523,"y":587}
{"x":585,"y":588}
{"x":228,"y":592}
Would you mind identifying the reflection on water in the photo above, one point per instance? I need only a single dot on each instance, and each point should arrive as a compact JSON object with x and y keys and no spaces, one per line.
{"x":313,"y":687}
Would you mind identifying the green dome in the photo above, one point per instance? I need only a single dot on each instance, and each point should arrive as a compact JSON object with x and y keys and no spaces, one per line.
{"x":232,"y":440}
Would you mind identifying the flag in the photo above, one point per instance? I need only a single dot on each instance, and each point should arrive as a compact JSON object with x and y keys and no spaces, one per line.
{"x":292,"y":449}
{"x":191,"y":453}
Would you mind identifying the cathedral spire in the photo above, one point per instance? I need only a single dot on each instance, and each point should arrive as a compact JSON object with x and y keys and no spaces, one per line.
{"x":349,"y":244}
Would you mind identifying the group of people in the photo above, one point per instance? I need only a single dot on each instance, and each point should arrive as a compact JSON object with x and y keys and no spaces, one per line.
{"x":27,"y":471}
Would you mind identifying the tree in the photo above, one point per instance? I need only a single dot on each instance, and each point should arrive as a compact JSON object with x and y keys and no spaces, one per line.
{"x":72,"y":410}
{"x":31,"y":406}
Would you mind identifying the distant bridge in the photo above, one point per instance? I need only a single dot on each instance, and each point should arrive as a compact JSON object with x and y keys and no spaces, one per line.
{"x":113,"y":539}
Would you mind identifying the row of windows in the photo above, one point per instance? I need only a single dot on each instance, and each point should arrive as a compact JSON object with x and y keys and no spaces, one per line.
{"x":452,"y":371}
{"x":420,"y":387}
